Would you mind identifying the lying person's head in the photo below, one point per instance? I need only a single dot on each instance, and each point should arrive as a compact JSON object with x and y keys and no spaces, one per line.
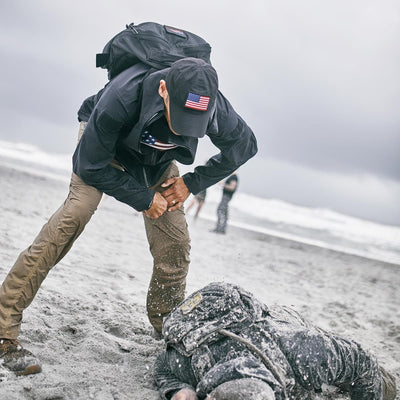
{"x":243,"y":389}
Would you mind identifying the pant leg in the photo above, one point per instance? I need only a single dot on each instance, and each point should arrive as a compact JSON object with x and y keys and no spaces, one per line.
{"x":222,"y":214}
{"x":49,"y":247}
{"x":169,"y":242}
{"x":317,"y":357}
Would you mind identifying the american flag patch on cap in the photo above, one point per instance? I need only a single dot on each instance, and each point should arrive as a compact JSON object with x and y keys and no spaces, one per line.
{"x":197,"y":102}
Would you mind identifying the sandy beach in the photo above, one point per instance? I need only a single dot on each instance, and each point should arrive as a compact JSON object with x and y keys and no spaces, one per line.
{"x":88,"y":324}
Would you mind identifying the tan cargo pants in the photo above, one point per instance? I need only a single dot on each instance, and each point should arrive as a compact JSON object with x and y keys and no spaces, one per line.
{"x":168,"y":238}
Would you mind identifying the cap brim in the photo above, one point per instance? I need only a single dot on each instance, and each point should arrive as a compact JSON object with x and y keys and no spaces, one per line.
{"x":187,"y":122}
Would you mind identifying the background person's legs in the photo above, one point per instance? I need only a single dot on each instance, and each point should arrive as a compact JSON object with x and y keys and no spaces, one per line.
{"x":222,"y":214}
{"x":199,"y":207}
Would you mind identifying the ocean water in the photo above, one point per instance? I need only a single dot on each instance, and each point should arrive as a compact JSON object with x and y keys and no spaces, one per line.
{"x":319,"y":227}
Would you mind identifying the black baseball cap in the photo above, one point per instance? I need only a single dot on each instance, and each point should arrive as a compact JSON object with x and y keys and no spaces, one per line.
{"x":192,"y":86}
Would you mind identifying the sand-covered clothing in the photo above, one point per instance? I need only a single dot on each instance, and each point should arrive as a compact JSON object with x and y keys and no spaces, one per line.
{"x":297,"y":360}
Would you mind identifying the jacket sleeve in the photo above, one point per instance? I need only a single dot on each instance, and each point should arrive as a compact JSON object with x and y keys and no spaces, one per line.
{"x":167,"y":381}
{"x":95,"y":151}
{"x":238,"y":368}
{"x":236,"y":143}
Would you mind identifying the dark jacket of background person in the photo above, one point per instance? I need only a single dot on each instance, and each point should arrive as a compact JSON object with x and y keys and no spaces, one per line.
{"x":229,"y":192}
{"x":298,"y":357}
{"x":118,"y":115}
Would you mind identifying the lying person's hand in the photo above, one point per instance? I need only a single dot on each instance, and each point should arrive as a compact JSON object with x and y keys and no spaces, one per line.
{"x":185,"y":394}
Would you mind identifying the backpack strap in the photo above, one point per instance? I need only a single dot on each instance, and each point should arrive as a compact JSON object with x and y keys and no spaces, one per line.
{"x":256,"y":351}
{"x":102,"y":59}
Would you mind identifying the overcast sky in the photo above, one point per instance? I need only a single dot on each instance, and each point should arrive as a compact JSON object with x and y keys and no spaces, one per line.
{"x":317,"y":81}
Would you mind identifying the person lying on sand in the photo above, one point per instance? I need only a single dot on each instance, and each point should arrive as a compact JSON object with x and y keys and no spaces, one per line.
{"x":224,"y":344}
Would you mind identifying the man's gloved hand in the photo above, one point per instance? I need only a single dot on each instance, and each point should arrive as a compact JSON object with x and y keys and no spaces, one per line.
{"x":176,"y":193}
{"x":158,"y":207}
{"x":185,"y":394}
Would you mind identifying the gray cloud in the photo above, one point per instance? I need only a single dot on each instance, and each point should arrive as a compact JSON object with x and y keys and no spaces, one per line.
{"x":317,"y":81}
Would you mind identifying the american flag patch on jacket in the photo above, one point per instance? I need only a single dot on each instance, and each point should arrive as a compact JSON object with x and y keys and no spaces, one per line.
{"x":197,"y":102}
{"x":152,"y":141}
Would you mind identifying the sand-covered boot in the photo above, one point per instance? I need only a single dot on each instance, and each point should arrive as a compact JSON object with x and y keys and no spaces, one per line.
{"x":388,"y":385}
{"x":157,"y":335}
{"x":17,"y":359}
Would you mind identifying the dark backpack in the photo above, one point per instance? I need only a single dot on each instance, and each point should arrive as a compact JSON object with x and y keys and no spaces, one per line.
{"x":199,"y":318}
{"x":156,"y":45}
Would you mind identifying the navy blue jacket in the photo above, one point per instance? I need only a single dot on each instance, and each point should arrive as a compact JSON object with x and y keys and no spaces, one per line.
{"x":117,"y":116}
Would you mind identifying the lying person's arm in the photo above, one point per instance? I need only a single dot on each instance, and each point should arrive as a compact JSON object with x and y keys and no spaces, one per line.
{"x":238,"y":368}
{"x":173,"y":376}
{"x":185,"y":394}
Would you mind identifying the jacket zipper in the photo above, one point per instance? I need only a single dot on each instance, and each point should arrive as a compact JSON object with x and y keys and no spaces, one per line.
{"x":146,"y":181}
{"x":151,"y":119}
{"x":148,"y":123}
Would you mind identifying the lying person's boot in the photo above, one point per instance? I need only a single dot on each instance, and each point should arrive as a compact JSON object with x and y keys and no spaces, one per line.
{"x":17,"y":359}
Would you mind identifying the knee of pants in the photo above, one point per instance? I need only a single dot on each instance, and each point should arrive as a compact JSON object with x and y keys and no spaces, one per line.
{"x":81,"y":207}
{"x":163,"y":235}
{"x":168,"y":241}
{"x":77,"y":214}
{"x":173,"y":258}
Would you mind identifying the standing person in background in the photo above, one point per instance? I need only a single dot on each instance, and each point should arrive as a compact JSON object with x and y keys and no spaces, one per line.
{"x":230,"y":186}
{"x":199,"y":198}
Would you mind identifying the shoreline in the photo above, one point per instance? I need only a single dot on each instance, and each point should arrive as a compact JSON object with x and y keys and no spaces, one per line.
{"x":309,"y":242}
{"x":387,"y":258}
